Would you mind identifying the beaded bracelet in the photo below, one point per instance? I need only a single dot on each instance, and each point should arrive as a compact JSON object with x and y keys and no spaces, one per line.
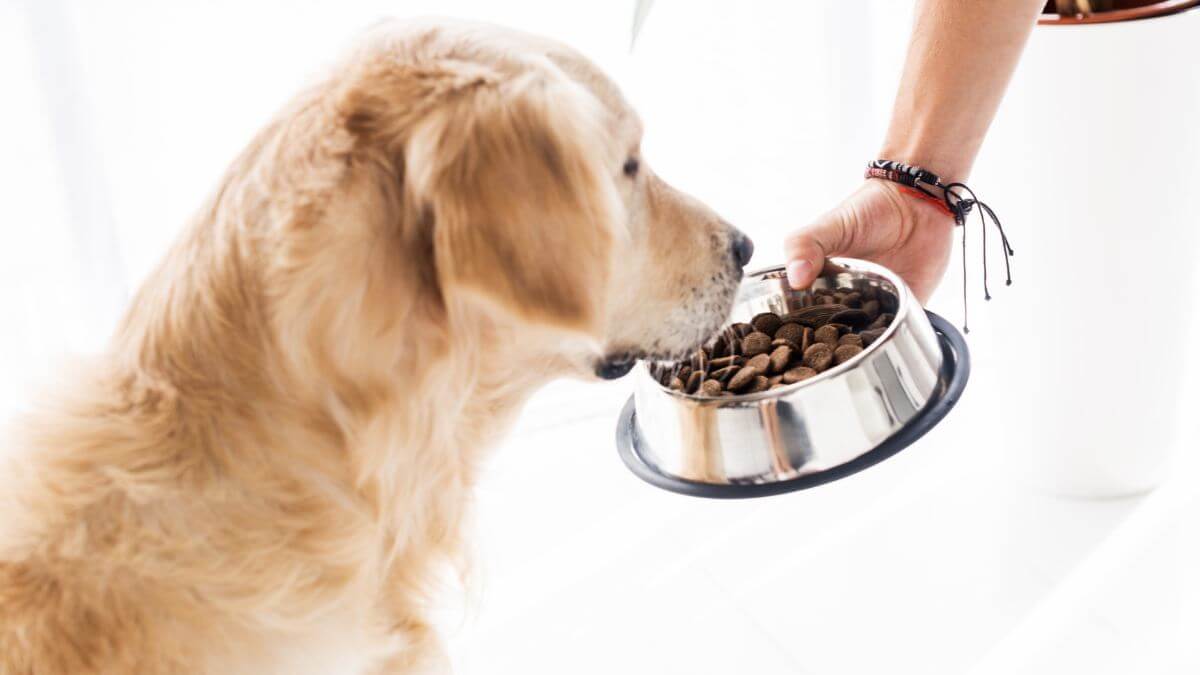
{"x":921,"y":183}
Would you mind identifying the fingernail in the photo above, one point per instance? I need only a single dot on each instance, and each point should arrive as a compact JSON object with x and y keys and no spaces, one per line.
{"x":797,"y":272}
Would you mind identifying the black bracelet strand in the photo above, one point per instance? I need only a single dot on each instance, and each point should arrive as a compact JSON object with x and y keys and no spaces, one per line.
{"x":954,"y":197}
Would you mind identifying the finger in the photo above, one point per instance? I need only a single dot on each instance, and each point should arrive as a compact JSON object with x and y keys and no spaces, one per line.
{"x":807,"y":249}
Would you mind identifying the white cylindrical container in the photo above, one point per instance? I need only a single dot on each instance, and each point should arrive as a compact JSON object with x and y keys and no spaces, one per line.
{"x":1100,"y":168}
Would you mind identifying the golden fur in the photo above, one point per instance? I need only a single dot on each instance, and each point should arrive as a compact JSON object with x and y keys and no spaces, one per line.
{"x":268,"y":466}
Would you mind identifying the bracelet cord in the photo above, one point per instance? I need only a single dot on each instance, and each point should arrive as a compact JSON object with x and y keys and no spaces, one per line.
{"x":957,"y":200}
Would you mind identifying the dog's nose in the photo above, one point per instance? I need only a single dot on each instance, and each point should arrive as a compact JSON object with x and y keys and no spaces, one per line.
{"x":742,"y":248}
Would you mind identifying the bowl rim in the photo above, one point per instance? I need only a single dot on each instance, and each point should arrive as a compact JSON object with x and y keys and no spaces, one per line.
{"x":904,"y":299}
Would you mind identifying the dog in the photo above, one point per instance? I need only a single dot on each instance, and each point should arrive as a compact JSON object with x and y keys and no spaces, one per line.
{"x":270,"y":463}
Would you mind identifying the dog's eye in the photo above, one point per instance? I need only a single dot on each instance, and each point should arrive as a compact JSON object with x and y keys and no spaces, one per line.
{"x":631,"y":167}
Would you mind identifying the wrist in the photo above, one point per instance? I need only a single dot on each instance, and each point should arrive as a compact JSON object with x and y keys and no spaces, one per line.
{"x":951,"y":167}
{"x":912,"y":205}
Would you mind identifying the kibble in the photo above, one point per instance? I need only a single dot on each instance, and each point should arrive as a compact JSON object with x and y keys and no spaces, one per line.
{"x":741,"y":378}
{"x":816,"y":316}
{"x":827,"y":334}
{"x":780,"y":342}
{"x":726,"y":361}
{"x":722,"y":375}
{"x":869,"y":336}
{"x":845,"y":353}
{"x":855,"y":318}
{"x":850,"y":339}
{"x":882,"y":321}
{"x":756,"y":343}
{"x":790,"y":331}
{"x":780,"y":358}
{"x":818,"y":357}
{"x":798,"y":374}
{"x":759,"y":362}
{"x":760,"y":384}
{"x":828,"y":328}
{"x":743,"y":329}
{"x":767,"y":322}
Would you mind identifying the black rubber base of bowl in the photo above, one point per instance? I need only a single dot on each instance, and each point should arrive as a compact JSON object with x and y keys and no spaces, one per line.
{"x":956,"y":370}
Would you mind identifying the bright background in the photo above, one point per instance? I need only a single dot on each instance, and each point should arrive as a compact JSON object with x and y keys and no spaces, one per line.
{"x":119,"y":116}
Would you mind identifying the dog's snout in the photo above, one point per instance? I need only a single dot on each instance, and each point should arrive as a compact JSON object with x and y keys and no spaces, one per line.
{"x":742,"y":247}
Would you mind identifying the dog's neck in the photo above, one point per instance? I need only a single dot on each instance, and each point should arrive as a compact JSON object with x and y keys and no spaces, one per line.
{"x":387,"y":413}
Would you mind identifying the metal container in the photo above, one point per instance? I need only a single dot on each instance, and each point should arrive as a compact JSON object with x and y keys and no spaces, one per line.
{"x":829,"y":426}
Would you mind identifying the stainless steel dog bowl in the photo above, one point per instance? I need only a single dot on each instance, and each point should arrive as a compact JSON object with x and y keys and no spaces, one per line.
{"x":824,"y":428}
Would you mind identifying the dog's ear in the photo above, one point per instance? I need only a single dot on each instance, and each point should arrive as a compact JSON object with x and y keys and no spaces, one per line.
{"x":512,"y":174}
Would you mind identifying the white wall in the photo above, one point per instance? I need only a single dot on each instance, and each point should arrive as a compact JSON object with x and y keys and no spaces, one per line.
{"x":120,"y":116}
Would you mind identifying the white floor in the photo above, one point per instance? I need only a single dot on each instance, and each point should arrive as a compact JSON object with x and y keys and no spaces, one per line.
{"x":935,"y":561}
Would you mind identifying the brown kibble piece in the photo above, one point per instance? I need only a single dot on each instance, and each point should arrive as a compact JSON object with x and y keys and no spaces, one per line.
{"x":818,"y":357}
{"x":888,"y":301}
{"x":756,"y":343}
{"x":869,"y":336}
{"x":759,"y":384}
{"x":742,"y":378}
{"x":711,"y":388}
{"x":855,"y":318}
{"x":830,"y":328}
{"x":767,"y":322}
{"x":882,"y":321}
{"x":726,"y":361}
{"x":760,"y":363}
{"x":779,"y":358}
{"x":827,"y":334}
{"x":735,"y":345}
{"x":789,"y":331}
{"x":719,"y":348}
{"x":850,"y":339}
{"x":798,"y":374}
{"x":815,"y":316}
{"x":845,"y":353}
{"x":742,"y":329}
{"x":780,"y":342}
{"x":723,"y":374}
{"x":807,"y":339}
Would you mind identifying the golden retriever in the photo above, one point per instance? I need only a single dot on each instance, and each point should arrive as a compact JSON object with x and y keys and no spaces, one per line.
{"x":271,"y":462}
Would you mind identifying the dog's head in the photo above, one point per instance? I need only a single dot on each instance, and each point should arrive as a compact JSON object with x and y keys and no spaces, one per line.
{"x":521,"y":172}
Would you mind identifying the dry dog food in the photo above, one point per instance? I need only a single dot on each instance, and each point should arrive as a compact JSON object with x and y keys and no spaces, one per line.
{"x":774,"y":350}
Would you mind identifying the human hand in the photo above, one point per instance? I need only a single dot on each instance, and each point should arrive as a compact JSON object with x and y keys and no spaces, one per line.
{"x":911,"y":237}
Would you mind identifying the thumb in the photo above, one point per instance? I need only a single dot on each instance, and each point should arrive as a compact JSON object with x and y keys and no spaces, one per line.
{"x":806,"y":250}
